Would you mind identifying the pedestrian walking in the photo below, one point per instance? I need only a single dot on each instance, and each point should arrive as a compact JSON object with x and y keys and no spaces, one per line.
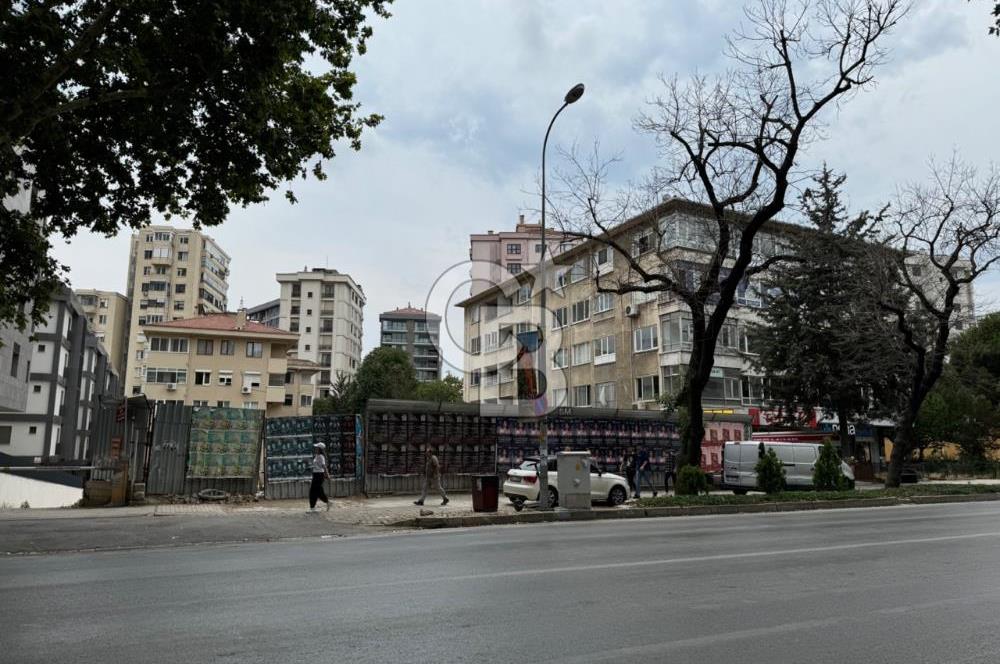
{"x":642,"y":471}
{"x":320,"y":475}
{"x":670,"y":472}
{"x":628,"y":470}
{"x":432,"y":473}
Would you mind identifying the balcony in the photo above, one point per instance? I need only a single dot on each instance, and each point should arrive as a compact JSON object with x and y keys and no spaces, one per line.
{"x":275,"y":394}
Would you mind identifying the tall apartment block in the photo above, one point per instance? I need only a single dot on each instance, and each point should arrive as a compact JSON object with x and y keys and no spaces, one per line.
{"x":15,"y":352}
{"x":107,"y":314}
{"x":326,"y":309}
{"x":173,"y":274}
{"x":70,"y":371}
{"x":415,"y":331}
{"x":268,"y":313}
{"x":497,"y":256}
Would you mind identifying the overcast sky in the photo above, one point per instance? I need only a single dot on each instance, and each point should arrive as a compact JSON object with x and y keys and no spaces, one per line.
{"x":467,"y":88}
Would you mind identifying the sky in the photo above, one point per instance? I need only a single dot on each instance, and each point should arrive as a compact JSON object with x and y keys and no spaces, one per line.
{"x":467,"y":88}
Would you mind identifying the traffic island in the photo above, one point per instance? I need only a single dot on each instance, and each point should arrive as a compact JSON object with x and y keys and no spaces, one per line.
{"x":718,"y":504}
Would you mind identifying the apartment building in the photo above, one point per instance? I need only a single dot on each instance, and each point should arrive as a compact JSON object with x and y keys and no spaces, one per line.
{"x":325,"y":308}
{"x":268,"y":313}
{"x":221,"y":360}
{"x":70,"y":372}
{"x":15,"y":359}
{"x":299,"y":389}
{"x":173,"y":274}
{"x":620,"y":351}
{"x":497,"y":256}
{"x":416,"y":332}
{"x":107,"y":315}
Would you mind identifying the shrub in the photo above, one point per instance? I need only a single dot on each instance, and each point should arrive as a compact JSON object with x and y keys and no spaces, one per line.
{"x":827,"y":475}
{"x":691,"y":481}
{"x":770,"y":473}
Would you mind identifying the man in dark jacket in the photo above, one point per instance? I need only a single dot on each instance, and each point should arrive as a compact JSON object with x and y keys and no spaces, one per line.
{"x":432,"y":473}
{"x":643,"y":470}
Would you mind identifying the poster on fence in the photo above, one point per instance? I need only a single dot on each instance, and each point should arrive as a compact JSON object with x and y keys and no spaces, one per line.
{"x":224,"y":442}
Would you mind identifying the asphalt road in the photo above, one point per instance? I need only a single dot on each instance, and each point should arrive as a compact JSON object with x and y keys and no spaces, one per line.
{"x":905,"y":584}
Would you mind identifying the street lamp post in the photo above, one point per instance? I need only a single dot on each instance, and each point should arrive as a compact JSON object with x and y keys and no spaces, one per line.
{"x":573,"y":95}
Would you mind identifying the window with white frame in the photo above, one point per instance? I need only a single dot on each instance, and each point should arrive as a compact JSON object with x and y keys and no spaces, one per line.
{"x":305,"y":400}
{"x":605,"y":395}
{"x":647,"y":388}
{"x":581,"y":353}
{"x":168,"y":345}
{"x":491,"y":376}
{"x":491,"y":341}
{"x":604,"y":349}
{"x":250,"y":405}
{"x":727,"y":336}
{"x":677,"y":332}
{"x":202,"y":377}
{"x":560,"y":359}
{"x":474,"y":377}
{"x":559,"y":318}
{"x":744,"y":341}
{"x":558,"y":397}
{"x":604,"y":302}
{"x":581,"y":395}
{"x":162,"y":376}
{"x":514,"y":248}
{"x":523,"y":295}
{"x":475,"y":345}
{"x":603,"y":258}
{"x":642,"y":243}
{"x":507,"y":373}
{"x":514,"y":268}
{"x":579,"y":271}
{"x":732,"y":387}
{"x":645,"y":338}
{"x":222,"y":404}
{"x":199,"y":403}
{"x":562,"y":278}
{"x":225,"y":378}
{"x":581,"y":311}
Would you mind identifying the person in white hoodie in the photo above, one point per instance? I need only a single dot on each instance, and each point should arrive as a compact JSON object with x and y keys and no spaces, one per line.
{"x":320,"y":475}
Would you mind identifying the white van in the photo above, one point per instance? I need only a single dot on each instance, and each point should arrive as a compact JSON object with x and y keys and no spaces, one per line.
{"x":740,"y":457}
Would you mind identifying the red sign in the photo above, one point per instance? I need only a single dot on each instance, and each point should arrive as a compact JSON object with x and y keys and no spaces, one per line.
{"x":120,"y":413}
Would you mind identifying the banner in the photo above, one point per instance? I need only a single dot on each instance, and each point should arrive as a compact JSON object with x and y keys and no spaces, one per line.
{"x":224,"y":442}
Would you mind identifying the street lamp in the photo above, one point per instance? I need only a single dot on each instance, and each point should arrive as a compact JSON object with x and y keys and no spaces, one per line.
{"x":573,"y":95}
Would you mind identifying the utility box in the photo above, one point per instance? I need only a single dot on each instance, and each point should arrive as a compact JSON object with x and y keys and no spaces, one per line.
{"x":573,"y":470}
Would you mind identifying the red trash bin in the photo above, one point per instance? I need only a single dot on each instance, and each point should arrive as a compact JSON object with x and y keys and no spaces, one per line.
{"x":485,"y":493}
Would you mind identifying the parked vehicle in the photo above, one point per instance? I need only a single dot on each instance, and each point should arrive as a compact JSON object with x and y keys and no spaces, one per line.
{"x":522,"y":484}
{"x":739,"y":459}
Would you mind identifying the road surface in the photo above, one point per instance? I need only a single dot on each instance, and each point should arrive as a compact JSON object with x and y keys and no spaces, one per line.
{"x":904,"y":584}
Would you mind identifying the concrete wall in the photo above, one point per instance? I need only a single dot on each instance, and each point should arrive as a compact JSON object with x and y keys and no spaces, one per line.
{"x":14,"y":491}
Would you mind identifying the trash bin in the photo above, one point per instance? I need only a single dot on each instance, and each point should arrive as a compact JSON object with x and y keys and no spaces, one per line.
{"x":485,"y":493}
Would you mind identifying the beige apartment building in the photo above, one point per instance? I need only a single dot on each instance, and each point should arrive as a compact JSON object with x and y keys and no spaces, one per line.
{"x":173,"y":274}
{"x":222,"y":360}
{"x":497,"y":256}
{"x":621,"y":351}
{"x":107,"y":314}
{"x":325,"y":308}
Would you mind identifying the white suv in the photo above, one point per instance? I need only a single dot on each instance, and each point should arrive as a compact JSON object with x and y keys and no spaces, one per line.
{"x":522,"y":484}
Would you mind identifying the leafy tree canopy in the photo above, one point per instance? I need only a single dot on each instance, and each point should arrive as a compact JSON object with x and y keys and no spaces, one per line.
{"x":448,"y":390}
{"x":111,"y":111}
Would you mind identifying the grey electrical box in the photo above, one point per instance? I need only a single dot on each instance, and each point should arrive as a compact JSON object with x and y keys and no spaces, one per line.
{"x":573,"y":469}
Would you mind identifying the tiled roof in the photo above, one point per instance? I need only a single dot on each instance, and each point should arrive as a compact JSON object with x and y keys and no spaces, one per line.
{"x":411,"y":312}
{"x":223,"y":323}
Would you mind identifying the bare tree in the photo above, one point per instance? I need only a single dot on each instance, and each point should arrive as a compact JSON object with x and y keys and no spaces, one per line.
{"x":938,"y":240}
{"x":730,"y":144}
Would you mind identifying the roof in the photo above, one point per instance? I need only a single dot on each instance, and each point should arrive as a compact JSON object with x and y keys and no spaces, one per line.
{"x":299,"y":363}
{"x":263,"y":307}
{"x":225,"y":322}
{"x":409,"y":312}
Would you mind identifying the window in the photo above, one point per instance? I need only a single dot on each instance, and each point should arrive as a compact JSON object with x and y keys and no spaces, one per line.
{"x":732,"y":387}
{"x":305,"y":400}
{"x":182,"y":255}
{"x":251,"y":379}
{"x":727,"y":336}
{"x":581,"y":395}
{"x":492,"y":341}
{"x":604,"y":349}
{"x":205,"y":346}
{"x":168,"y":345}
{"x":102,"y":320}
{"x":227,"y":347}
{"x":559,"y":318}
{"x":558,"y":397}
{"x":222,"y":404}
{"x":255,"y":349}
{"x":182,"y":272}
{"x":474,"y":377}
{"x":603,"y":302}
{"x":581,"y":311}
{"x":475,"y":345}
{"x":32,"y":430}
{"x":744,"y":341}
{"x":514,"y":268}
{"x":915,"y":271}
{"x":560,"y":359}
{"x":184,"y":239}
{"x":307,"y":346}
{"x":5,"y":435}
{"x":523,"y":295}
{"x":147,"y":254}
{"x":579,"y":271}
{"x":328,"y":290}
{"x":647,"y":388}
{"x":293,"y":326}
{"x":581,"y":353}
{"x":162,"y":376}
{"x":645,"y":339}
{"x":250,"y":405}
{"x":179,"y":305}
{"x":225,"y":378}
{"x":309,"y":294}
{"x":538,"y":248}
{"x":15,"y":359}
{"x":202,"y":377}
{"x":37,"y":389}
{"x":289,"y":399}
{"x":605,"y":394}
{"x":295,"y":310}
{"x":41,"y":348}
{"x":161,"y":236}
{"x":603,"y":258}
{"x":308,"y":329}
{"x":199,"y":403}
{"x":296,"y":290}
{"x":514,"y":249}
{"x":180,"y":288}
{"x":146,"y":271}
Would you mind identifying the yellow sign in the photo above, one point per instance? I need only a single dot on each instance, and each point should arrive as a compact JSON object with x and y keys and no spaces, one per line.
{"x":720,"y":411}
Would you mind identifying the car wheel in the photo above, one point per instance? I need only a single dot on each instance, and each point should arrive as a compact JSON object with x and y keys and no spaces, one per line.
{"x":518,"y":504}
{"x":617,"y":496}
{"x":740,"y":492}
{"x":553,"y":497}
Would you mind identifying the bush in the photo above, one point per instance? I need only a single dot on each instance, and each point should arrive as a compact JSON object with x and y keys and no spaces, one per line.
{"x":827,"y":475}
{"x":691,"y":481}
{"x":770,"y":473}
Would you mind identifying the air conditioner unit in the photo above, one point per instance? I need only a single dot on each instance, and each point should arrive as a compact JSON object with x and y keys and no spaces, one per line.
{"x":171,"y":387}
{"x":245,"y":389}
{"x":631,"y":310}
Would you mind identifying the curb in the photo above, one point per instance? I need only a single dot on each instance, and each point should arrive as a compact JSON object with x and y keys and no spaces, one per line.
{"x":432,"y":522}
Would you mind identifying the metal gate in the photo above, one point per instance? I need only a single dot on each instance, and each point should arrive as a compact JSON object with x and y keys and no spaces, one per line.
{"x":167,"y":463}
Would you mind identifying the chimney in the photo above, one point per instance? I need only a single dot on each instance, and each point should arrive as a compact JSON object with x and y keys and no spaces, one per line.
{"x":520,"y":219}
{"x":241,"y":319}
